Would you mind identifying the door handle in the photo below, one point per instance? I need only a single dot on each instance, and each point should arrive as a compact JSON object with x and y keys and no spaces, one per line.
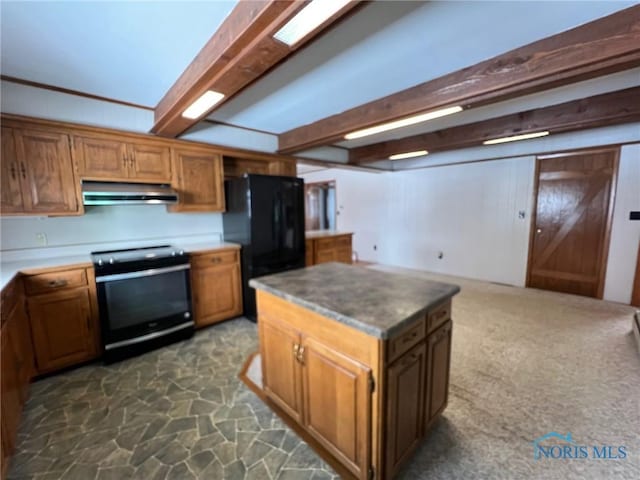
{"x":538,"y":231}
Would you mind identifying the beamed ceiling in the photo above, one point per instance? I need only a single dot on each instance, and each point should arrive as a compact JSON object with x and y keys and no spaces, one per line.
{"x":512,"y":66}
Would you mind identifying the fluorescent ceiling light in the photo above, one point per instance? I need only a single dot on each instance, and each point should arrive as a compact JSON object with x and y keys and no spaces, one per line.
{"x":307,"y":20}
{"x":400,"y":156}
{"x":423,"y":117}
{"x":515,"y":138}
{"x":203,"y":104}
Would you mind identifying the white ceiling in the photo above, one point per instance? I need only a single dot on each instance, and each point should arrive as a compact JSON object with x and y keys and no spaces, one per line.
{"x":131,"y":51}
{"x":134,"y":51}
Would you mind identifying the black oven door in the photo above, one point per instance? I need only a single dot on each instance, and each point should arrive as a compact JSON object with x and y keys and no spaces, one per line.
{"x":142,"y":305}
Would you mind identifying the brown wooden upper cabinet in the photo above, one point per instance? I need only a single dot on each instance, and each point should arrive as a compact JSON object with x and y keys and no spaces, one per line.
{"x":37,"y":173}
{"x":198,"y":179}
{"x":109,"y":158}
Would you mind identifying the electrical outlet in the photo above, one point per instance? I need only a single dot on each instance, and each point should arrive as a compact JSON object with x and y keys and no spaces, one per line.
{"x":41,"y":239}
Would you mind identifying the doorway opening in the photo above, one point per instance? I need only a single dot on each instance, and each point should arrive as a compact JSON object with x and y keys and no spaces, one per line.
{"x":320,"y":205}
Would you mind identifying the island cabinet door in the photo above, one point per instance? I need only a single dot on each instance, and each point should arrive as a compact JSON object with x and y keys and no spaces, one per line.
{"x":438,"y":362}
{"x":280,"y":367}
{"x":337,"y":404}
{"x":405,"y":398}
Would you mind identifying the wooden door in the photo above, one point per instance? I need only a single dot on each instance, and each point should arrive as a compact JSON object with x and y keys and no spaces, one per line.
{"x":216,"y":293}
{"x":405,"y":406}
{"x":199,"y":180}
{"x":337,"y":404}
{"x":280,"y":368}
{"x":61,"y":326}
{"x":149,"y":162}
{"x":48,"y":183}
{"x":438,"y":366}
{"x":101,"y":158}
{"x":571,"y":226}
{"x":10,"y":189}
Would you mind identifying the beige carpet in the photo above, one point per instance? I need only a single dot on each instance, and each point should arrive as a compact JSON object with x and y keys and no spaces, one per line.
{"x":525,"y":363}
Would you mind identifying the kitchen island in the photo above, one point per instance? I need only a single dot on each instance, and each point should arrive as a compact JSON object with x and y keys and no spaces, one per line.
{"x":355,"y":360}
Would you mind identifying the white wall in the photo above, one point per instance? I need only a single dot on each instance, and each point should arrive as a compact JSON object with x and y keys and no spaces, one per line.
{"x":469,"y":212}
{"x":360,"y":198}
{"x":625,"y":233}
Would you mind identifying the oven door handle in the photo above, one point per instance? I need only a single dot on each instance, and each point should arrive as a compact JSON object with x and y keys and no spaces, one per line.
{"x":142,"y":273}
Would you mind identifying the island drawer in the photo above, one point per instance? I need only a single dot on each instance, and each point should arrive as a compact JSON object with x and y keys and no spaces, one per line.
{"x":48,"y":282}
{"x":333,"y":242}
{"x":211,"y":259}
{"x":438,"y":316}
{"x":405,"y":340}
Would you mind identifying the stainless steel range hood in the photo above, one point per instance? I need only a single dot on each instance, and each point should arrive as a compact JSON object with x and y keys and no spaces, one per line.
{"x":111,"y":193}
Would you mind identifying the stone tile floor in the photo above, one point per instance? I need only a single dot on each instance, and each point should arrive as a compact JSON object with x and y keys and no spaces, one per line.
{"x":176,"y":413}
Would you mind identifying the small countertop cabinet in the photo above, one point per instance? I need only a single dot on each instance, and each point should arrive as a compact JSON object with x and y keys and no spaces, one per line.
{"x":361,"y":380}
{"x":322,"y":246}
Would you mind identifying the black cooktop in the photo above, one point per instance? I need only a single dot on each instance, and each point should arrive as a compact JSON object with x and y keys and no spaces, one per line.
{"x":135,"y":255}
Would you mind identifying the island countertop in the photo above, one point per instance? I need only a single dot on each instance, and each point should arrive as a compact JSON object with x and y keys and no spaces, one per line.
{"x":377,"y":303}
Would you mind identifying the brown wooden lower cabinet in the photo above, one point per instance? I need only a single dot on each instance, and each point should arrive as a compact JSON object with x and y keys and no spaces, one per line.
{"x":64,"y":319}
{"x":215,"y":284}
{"x":363,"y":403}
{"x":16,"y":365}
{"x":328,"y":248}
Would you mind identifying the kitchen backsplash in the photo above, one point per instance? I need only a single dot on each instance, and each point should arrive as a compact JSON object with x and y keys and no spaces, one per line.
{"x":104,"y":227}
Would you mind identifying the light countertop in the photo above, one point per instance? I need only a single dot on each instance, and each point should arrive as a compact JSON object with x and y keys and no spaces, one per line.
{"x":377,"y":303}
{"x":9,"y":269}
{"x":311,"y":234}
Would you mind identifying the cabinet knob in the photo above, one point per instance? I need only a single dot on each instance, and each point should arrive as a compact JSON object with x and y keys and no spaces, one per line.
{"x":23,"y":169}
{"x":13,"y":171}
{"x":301,"y":354}
{"x":60,"y":282}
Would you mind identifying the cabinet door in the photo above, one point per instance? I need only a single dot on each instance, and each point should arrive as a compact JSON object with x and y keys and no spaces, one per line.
{"x":405,"y":399}
{"x":343,"y":254}
{"x":280,"y":368}
{"x":149,"y":162}
{"x":337,"y":404}
{"x":308,"y":249}
{"x":10,"y":188}
{"x":324,"y":255}
{"x":11,"y":405}
{"x":101,"y":158}
{"x":48,"y":183}
{"x":21,"y":340}
{"x":62,"y":328}
{"x":216,"y":293}
{"x":438,"y":362}
{"x":199,"y":179}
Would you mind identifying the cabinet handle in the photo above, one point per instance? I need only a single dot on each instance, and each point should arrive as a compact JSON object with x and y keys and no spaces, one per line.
{"x":410,"y":337}
{"x":216,"y":260}
{"x":13,"y":171}
{"x":60,"y":282}
{"x":23,"y":170}
{"x":410,"y":359}
{"x":131,"y":162}
{"x":124,"y":161}
{"x":301,"y":354}
{"x":296,"y":347}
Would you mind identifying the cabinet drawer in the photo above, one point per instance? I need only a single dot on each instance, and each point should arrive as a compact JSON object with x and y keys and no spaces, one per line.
{"x":438,"y":316}
{"x":213,"y":259}
{"x":333,"y":242}
{"x":404,"y":341}
{"x":48,"y":282}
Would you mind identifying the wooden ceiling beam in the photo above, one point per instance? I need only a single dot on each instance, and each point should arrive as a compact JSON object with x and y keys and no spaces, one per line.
{"x":240,"y":51}
{"x":613,"y":108}
{"x":604,"y":46}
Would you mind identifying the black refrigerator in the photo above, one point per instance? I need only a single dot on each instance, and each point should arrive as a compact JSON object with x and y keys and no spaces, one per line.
{"x":265,"y":214}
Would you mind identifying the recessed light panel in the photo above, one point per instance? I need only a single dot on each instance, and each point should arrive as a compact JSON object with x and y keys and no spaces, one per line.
{"x":400,"y":156}
{"x":308,"y":19}
{"x":203,"y":104}
{"x":515,"y":138}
